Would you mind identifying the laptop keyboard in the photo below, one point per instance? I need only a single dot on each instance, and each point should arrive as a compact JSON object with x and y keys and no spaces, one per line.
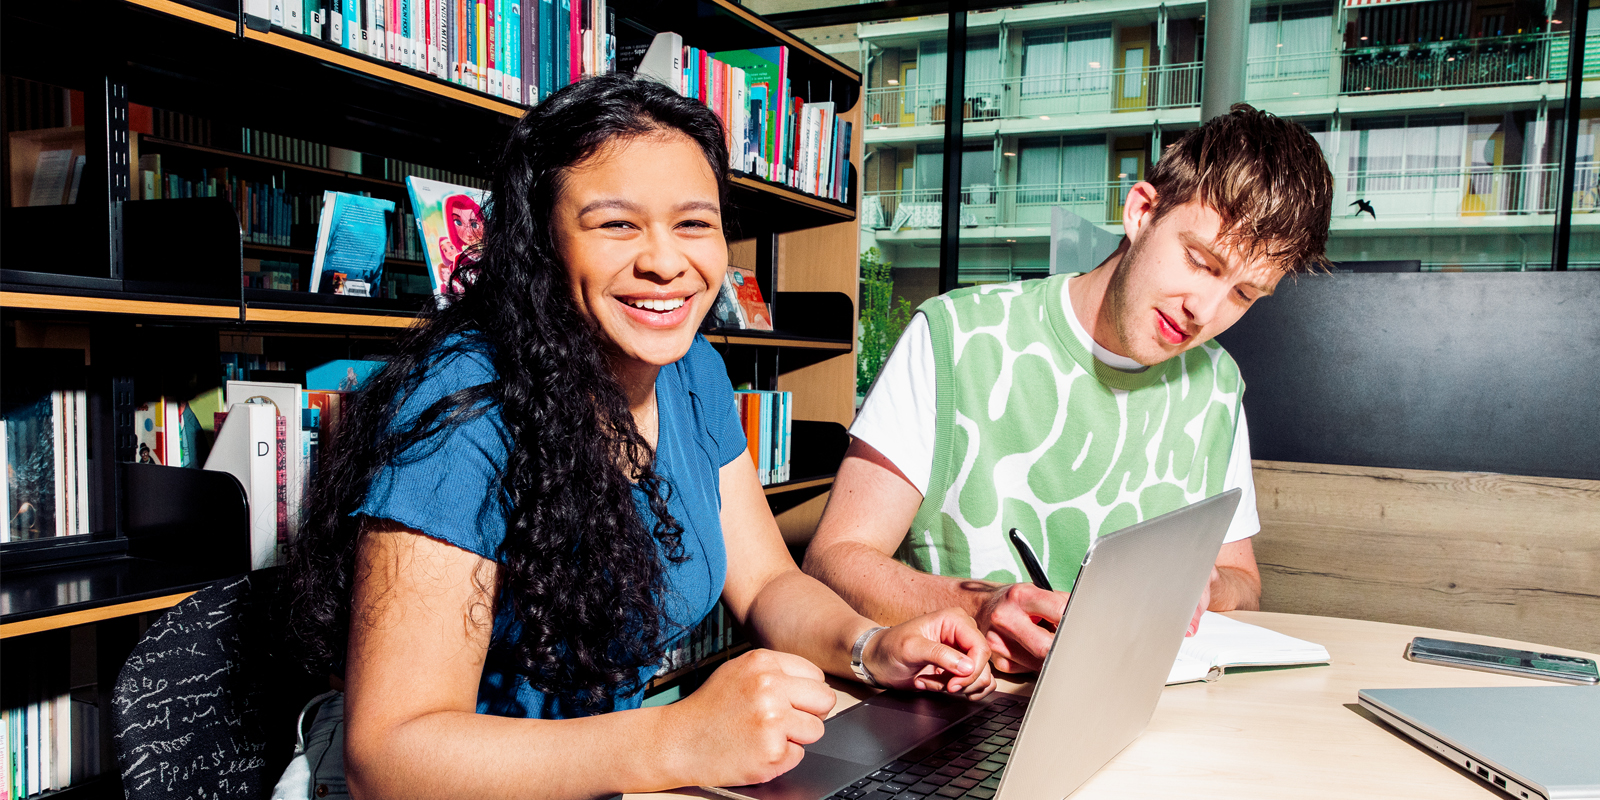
{"x":964,"y":761}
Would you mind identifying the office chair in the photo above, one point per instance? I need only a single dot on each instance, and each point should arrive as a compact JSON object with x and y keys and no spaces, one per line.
{"x":203,"y":706}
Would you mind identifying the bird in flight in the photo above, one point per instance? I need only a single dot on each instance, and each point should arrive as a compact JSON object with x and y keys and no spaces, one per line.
{"x":1364,"y":206}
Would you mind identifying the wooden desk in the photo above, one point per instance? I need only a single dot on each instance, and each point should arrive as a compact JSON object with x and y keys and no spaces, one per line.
{"x":1293,"y":732}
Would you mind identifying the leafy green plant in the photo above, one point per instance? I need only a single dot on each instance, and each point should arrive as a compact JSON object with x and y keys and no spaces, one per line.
{"x":883,"y":318}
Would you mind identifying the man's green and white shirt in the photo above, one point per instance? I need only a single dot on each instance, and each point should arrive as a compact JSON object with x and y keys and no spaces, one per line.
{"x":999,"y":407}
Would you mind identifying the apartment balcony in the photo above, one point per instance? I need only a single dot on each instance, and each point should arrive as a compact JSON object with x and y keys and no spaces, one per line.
{"x":1110,"y":98}
{"x":1462,"y":64}
{"x":1499,"y":199}
{"x":1095,"y":91}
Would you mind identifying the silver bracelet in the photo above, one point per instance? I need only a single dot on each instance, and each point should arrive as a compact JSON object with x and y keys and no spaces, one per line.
{"x":856,"y":665}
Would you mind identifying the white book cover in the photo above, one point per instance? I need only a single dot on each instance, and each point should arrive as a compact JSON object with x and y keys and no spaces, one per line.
{"x":822,"y":180}
{"x":5,"y":528}
{"x":246,"y":449}
{"x":81,"y":445}
{"x":261,"y":9}
{"x":663,"y":62}
{"x":291,"y":17}
{"x":810,"y":117}
{"x":58,"y":427}
{"x":63,"y":741}
{"x":35,"y":764}
{"x":277,"y":13}
{"x":741,"y":118}
{"x":286,"y":400}
{"x":67,"y":504}
{"x":1222,"y":642}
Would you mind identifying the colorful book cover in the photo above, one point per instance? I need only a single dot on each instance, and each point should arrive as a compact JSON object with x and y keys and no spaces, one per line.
{"x":30,"y":469}
{"x":752,"y":306}
{"x":342,"y":375}
{"x":150,"y":433}
{"x":450,"y":225}
{"x":725,"y":311}
{"x":351,"y":239}
{"x":764,"y":67}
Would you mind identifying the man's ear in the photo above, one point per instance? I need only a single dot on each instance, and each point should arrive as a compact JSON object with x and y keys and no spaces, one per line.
{"x":1139,"y":210}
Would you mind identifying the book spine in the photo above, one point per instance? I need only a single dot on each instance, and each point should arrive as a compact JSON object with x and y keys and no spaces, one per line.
{"x":282,"y":423}
{"x":494,"y":43}
{"x":574,"y":40}
{"x":350,"y":14}
{"x":514,"y":52}
{"x":480,"y":46}
{"x":528,"y":74}
{"x":441,"y":42}
{"x":547,"y":47}
{"x":58,"y":453}
{"x":563,"y":44}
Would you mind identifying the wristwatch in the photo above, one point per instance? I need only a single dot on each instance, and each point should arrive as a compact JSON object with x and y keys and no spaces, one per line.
{"x":856,"y":665}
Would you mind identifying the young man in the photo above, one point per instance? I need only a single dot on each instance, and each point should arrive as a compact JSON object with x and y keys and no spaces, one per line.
{"x":1070,"y":408}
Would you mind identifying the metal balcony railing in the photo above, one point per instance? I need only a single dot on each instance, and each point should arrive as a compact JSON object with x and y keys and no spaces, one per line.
{"x":1022,"y":97}
{"x":1414,"y":195}
{"x":1493,"y":61}
{"x":1460,"y":64}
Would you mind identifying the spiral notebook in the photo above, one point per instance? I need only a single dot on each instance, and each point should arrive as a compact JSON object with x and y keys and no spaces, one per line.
{"x":1223,"y":643}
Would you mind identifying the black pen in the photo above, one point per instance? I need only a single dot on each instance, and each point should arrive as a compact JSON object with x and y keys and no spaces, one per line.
{"x":1030,"y":561}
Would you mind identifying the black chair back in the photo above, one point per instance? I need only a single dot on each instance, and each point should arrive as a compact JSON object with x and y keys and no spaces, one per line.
{"x":202,"y":707}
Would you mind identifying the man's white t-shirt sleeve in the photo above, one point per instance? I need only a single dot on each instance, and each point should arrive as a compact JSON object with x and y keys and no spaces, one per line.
{"x":900,"y":413}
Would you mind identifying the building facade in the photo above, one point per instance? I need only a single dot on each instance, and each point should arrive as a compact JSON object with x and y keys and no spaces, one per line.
{"x":1440,"y":119}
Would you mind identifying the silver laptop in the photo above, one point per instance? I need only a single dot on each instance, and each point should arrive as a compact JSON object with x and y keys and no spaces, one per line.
{"x":1530,"y":741}
{"x":1133,"y":598}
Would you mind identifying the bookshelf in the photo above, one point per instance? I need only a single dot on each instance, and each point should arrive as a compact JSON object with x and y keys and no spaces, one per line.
{"x":112,"y":275}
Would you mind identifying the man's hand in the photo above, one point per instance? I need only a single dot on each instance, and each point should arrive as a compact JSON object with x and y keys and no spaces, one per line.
{"x":1009,"y":618}
{"x":1205,"y":602}
{"x":943,"y":651}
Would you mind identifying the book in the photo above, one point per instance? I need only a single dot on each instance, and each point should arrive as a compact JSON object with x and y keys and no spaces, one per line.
{"x":753,"y":312}
{"x":342,"y":375}
{"x":352,"y":238}
{"x":52,"y":169}
{"x":285,"y":400}
{"x":245,"y":449}
{"x":449,"y":222}
{"x":1223,"y":642}
{"x":663,"y":62}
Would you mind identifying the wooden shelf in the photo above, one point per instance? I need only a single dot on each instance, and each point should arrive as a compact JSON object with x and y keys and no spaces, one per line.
{"x":71,"y":618}
{"x":107,"y":305}
{"x":828,"y":206}
{"x":339,"y":57}
{"x":308,"y":317}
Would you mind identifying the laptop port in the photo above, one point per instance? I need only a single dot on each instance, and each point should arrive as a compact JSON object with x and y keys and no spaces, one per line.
{"x":1483,"y":773}
{"x":1499,"y":781}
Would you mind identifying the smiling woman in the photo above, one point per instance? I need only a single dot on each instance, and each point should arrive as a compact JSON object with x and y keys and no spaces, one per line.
{"x":547,"y":487}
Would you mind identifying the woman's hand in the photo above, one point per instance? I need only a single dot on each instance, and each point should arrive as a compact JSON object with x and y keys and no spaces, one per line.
{"x":748,"y":722}
{"x":943,"y":651}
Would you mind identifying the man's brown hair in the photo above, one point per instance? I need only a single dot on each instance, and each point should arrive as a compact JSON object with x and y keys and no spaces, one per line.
{"x":1266,"y":177}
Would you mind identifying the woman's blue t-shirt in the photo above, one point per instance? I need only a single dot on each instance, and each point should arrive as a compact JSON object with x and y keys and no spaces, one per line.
{"x":453,"y":494}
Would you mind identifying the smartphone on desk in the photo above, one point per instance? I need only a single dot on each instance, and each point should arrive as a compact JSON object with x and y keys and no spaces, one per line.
{"x":1482,"y":657}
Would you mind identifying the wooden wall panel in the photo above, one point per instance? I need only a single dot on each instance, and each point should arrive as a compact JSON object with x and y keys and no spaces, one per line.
{"x":1499,"y":555}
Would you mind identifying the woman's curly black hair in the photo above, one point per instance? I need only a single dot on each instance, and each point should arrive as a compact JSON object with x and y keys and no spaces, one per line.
{"x":579,"y":572}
